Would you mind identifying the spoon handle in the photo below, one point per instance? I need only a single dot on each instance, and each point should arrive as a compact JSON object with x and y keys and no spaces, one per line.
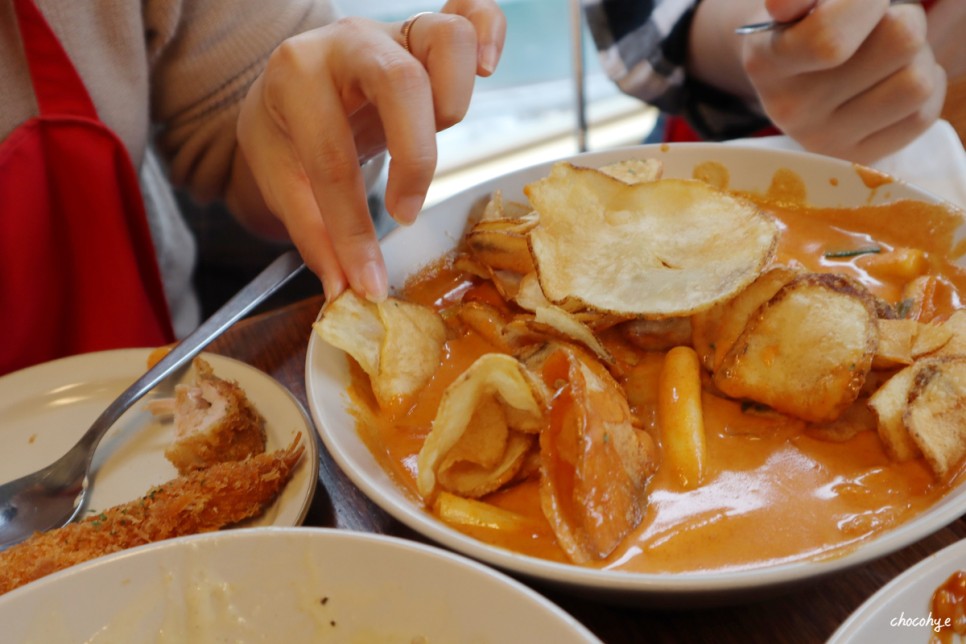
{"x":273,"y":277}
{"x":771,"y":25}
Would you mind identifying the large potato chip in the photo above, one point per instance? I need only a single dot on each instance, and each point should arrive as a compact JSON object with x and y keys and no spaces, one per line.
{"x":398,"y":344}
{"x":595,"y":467}
{"x":495,"y":380}
{"x":807,"y":351}
{"x":659,"y":249}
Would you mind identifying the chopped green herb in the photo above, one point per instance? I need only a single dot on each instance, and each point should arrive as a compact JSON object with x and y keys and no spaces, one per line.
{"x":855,"y":252}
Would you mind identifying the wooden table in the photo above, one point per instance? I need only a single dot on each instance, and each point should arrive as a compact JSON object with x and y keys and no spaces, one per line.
{"x":276,"y":342}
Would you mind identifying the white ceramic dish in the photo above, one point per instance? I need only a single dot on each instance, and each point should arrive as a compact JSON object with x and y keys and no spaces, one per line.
{"x":284,"y":585}
{"x":900,"y":611}
{"x":829,"y":183}
{"x":44,"y":410}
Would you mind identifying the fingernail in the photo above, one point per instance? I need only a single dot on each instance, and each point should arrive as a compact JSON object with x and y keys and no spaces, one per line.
{"x":488,"y":58}
{"x":408,"y":209}
{"x":332,"y":288}
{"x":374,"y":282}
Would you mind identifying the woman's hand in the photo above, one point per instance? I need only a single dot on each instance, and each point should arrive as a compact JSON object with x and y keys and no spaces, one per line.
{"x":333,"y":97}
{"x":855,"y":79}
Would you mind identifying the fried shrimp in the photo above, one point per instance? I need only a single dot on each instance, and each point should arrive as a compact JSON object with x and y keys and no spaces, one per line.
{"x":200,"y":501}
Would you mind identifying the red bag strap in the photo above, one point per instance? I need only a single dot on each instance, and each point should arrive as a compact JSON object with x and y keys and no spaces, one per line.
{"x":57,"y":85}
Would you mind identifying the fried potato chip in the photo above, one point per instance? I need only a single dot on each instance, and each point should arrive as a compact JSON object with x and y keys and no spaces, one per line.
{"x":595,"y":468}
{"x":529,"y":296}
{"x":719,"y":327}
{"x":398,"y":344}
{"x":956,"y":326}
{"x":502,"y":244}
{"x":658,"y":249}
{"x":930,"y":338}
{"x":569,"y":327}
{"x":499,"y":208}
{"x":936,"y":413}
{"x":352,"y":324}
{"x":895,"y":343}
{"x":507,"y":283}
{"x":494,"y":379}
{"x":472,"y":480}
{"x":902,"y":341}
{"x":486,"y":320}
{"x":634,"y":171}
{"x":807,"y":351}
{"x":889,"y":403}
{"x":466,"y":263}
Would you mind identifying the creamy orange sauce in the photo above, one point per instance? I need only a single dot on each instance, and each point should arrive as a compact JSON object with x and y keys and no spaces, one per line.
{"x":948,"y":609}
{"x":774,"y":492}
{"x":872,"y":178}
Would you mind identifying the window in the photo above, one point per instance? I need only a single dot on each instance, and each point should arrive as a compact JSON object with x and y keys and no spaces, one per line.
{"x":527,"y":111}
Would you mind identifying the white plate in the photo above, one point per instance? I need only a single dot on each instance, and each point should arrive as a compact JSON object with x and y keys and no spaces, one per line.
{"x":44,"y":410}
{"x":900,"y":611}
{"x":829,"y":183}
{"x":284,"y":585}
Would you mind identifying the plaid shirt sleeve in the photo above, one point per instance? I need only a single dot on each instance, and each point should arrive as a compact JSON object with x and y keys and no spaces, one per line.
{"x":643,"y":44}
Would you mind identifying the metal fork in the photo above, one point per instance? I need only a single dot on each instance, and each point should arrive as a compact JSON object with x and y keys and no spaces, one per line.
{"x":54,"y":496}
{"x":771,"y":25}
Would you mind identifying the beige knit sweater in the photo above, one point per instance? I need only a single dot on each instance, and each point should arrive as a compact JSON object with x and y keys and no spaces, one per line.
{"x":167,"y":74}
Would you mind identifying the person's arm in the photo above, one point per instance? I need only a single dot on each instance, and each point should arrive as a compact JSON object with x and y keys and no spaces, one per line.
{"x":332,"y":96}
{"x":854,"y":79}
{"x":644,"y":48}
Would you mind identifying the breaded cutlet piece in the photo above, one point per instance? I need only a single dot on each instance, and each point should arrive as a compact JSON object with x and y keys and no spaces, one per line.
{"x":214,"y":422}
{"x":200,"y":501}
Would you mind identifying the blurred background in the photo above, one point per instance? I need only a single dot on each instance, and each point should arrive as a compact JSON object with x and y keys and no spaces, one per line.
{"x":548,"y":99}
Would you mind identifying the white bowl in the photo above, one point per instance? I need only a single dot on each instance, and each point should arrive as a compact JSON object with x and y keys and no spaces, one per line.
{"x":283,"y":585}
{"x":901,"y":610}
{"x":829,"y":182}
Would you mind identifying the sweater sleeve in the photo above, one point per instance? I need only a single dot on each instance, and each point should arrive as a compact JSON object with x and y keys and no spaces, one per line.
{"x":643,"y":47}
{"x":203,"y":56}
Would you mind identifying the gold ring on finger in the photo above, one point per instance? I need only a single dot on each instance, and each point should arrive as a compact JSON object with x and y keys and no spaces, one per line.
{"x":407,"y":28}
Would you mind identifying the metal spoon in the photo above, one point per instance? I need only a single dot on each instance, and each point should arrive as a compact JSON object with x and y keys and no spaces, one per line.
{"x":771,"y":25}
{"x":54,"y":495}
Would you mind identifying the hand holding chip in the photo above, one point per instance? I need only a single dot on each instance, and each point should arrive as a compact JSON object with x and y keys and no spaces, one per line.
{"x":331,"y":98}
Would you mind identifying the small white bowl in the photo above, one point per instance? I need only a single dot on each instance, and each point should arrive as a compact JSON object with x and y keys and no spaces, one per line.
{"x":283,"y":585}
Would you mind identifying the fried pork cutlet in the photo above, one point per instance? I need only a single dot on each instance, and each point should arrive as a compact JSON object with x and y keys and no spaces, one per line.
{"x":200,"y":501}
{"x":214,"y":422}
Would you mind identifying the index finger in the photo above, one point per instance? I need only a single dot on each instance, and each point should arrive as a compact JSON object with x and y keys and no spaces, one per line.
{"x":827,"y":37}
